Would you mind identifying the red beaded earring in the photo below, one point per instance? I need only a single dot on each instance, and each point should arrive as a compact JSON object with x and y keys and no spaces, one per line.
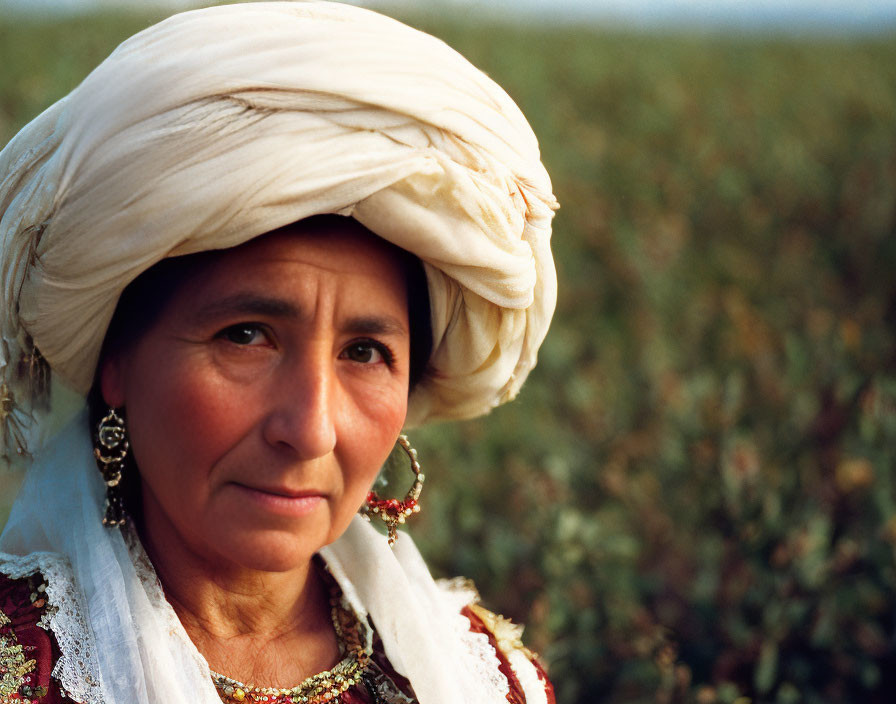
{"x":395,"y":511}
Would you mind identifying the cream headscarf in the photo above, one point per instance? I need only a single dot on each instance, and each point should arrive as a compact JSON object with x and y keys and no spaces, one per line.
{"x":203,"y":132}
{"x":218,"y":125}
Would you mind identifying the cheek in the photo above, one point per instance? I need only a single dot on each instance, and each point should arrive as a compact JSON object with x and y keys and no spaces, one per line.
{"x":371,"y":436}
{"x":181,"y":421}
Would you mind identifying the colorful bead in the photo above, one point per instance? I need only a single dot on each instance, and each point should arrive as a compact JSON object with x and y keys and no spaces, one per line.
{"x":393,"y":511}
{"x":356,"y":647}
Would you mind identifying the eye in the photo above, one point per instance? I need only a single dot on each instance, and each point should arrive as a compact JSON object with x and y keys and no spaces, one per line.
{"x":367,"y":352}
{"x":244,"y":334}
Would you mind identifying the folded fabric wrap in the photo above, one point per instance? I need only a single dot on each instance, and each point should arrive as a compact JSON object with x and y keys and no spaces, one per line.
{"x":218,"y":125}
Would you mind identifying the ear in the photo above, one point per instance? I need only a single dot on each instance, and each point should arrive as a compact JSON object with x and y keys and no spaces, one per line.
{"x":112,"y":380}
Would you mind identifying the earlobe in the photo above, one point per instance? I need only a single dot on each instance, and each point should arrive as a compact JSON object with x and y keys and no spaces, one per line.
{"x":112,"y":381}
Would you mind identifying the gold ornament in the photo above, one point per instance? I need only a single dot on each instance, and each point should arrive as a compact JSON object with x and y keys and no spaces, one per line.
{"x":110,"y":450}
{"x":394,"y":511}
{"x":355,"y":647}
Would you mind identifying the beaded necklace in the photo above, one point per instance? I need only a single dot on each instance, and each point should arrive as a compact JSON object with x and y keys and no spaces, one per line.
{"x":355,"y":646}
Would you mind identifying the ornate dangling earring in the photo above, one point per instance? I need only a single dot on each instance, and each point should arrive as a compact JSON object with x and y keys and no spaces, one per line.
{"x":393,"y":511}
{"x":110,"y":449}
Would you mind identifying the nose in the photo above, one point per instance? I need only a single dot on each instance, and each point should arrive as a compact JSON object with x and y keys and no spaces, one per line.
{"x":302,"y":406}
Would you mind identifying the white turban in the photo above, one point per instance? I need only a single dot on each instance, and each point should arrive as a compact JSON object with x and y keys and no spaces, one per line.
{"x":221,"y":124}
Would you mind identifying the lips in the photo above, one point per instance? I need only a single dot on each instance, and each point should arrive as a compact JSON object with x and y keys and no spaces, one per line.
{"x":284,"y":501}
{"x":283,"y":491}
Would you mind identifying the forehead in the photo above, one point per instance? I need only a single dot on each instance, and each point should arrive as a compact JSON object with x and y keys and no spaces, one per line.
{"x":330,"y":243}
{"x":331,"y":247}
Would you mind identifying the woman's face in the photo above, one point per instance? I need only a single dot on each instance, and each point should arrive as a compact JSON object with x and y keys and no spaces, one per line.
{"x":262,"y":403}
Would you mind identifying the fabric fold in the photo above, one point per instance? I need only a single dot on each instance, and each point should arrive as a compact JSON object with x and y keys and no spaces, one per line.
{"x":283,"y":111}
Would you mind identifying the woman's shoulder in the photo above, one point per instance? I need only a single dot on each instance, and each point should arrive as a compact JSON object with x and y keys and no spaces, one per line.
{"x":526,"y":677}
{"x":500,"y":638}
{"x":28,"y":648}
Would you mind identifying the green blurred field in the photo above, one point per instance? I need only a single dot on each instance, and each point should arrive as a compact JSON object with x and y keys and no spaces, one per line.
{"x":693,"y":499}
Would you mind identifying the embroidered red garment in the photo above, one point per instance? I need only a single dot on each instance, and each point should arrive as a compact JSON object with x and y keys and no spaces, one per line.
{"x":29,"y":651}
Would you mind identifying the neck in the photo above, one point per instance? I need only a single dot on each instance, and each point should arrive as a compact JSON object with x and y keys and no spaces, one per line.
{"x":272,"y":628}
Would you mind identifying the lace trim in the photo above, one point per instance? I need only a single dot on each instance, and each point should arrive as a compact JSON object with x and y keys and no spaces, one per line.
{"x":459,"y":592}
{"x":77,"y":668}
{"x":482,"y":659}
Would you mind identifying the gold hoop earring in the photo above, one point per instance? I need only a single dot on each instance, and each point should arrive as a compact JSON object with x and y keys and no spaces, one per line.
{"x":110,"y":449}
{"x":395,"y":511}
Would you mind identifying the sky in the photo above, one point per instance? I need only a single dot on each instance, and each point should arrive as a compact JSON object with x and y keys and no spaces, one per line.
{"x":838,"y":16}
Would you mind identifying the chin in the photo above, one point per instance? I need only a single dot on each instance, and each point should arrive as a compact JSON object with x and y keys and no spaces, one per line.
{"x":268,"y":550}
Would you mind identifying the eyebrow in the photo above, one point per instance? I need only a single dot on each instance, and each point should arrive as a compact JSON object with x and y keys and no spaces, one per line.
{"x":374,"y":325}
{"x":248,"y":304}
{"x":253,"y":304}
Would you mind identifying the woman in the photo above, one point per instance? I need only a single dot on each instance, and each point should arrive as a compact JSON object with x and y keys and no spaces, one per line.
{"x":220,"y":237}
